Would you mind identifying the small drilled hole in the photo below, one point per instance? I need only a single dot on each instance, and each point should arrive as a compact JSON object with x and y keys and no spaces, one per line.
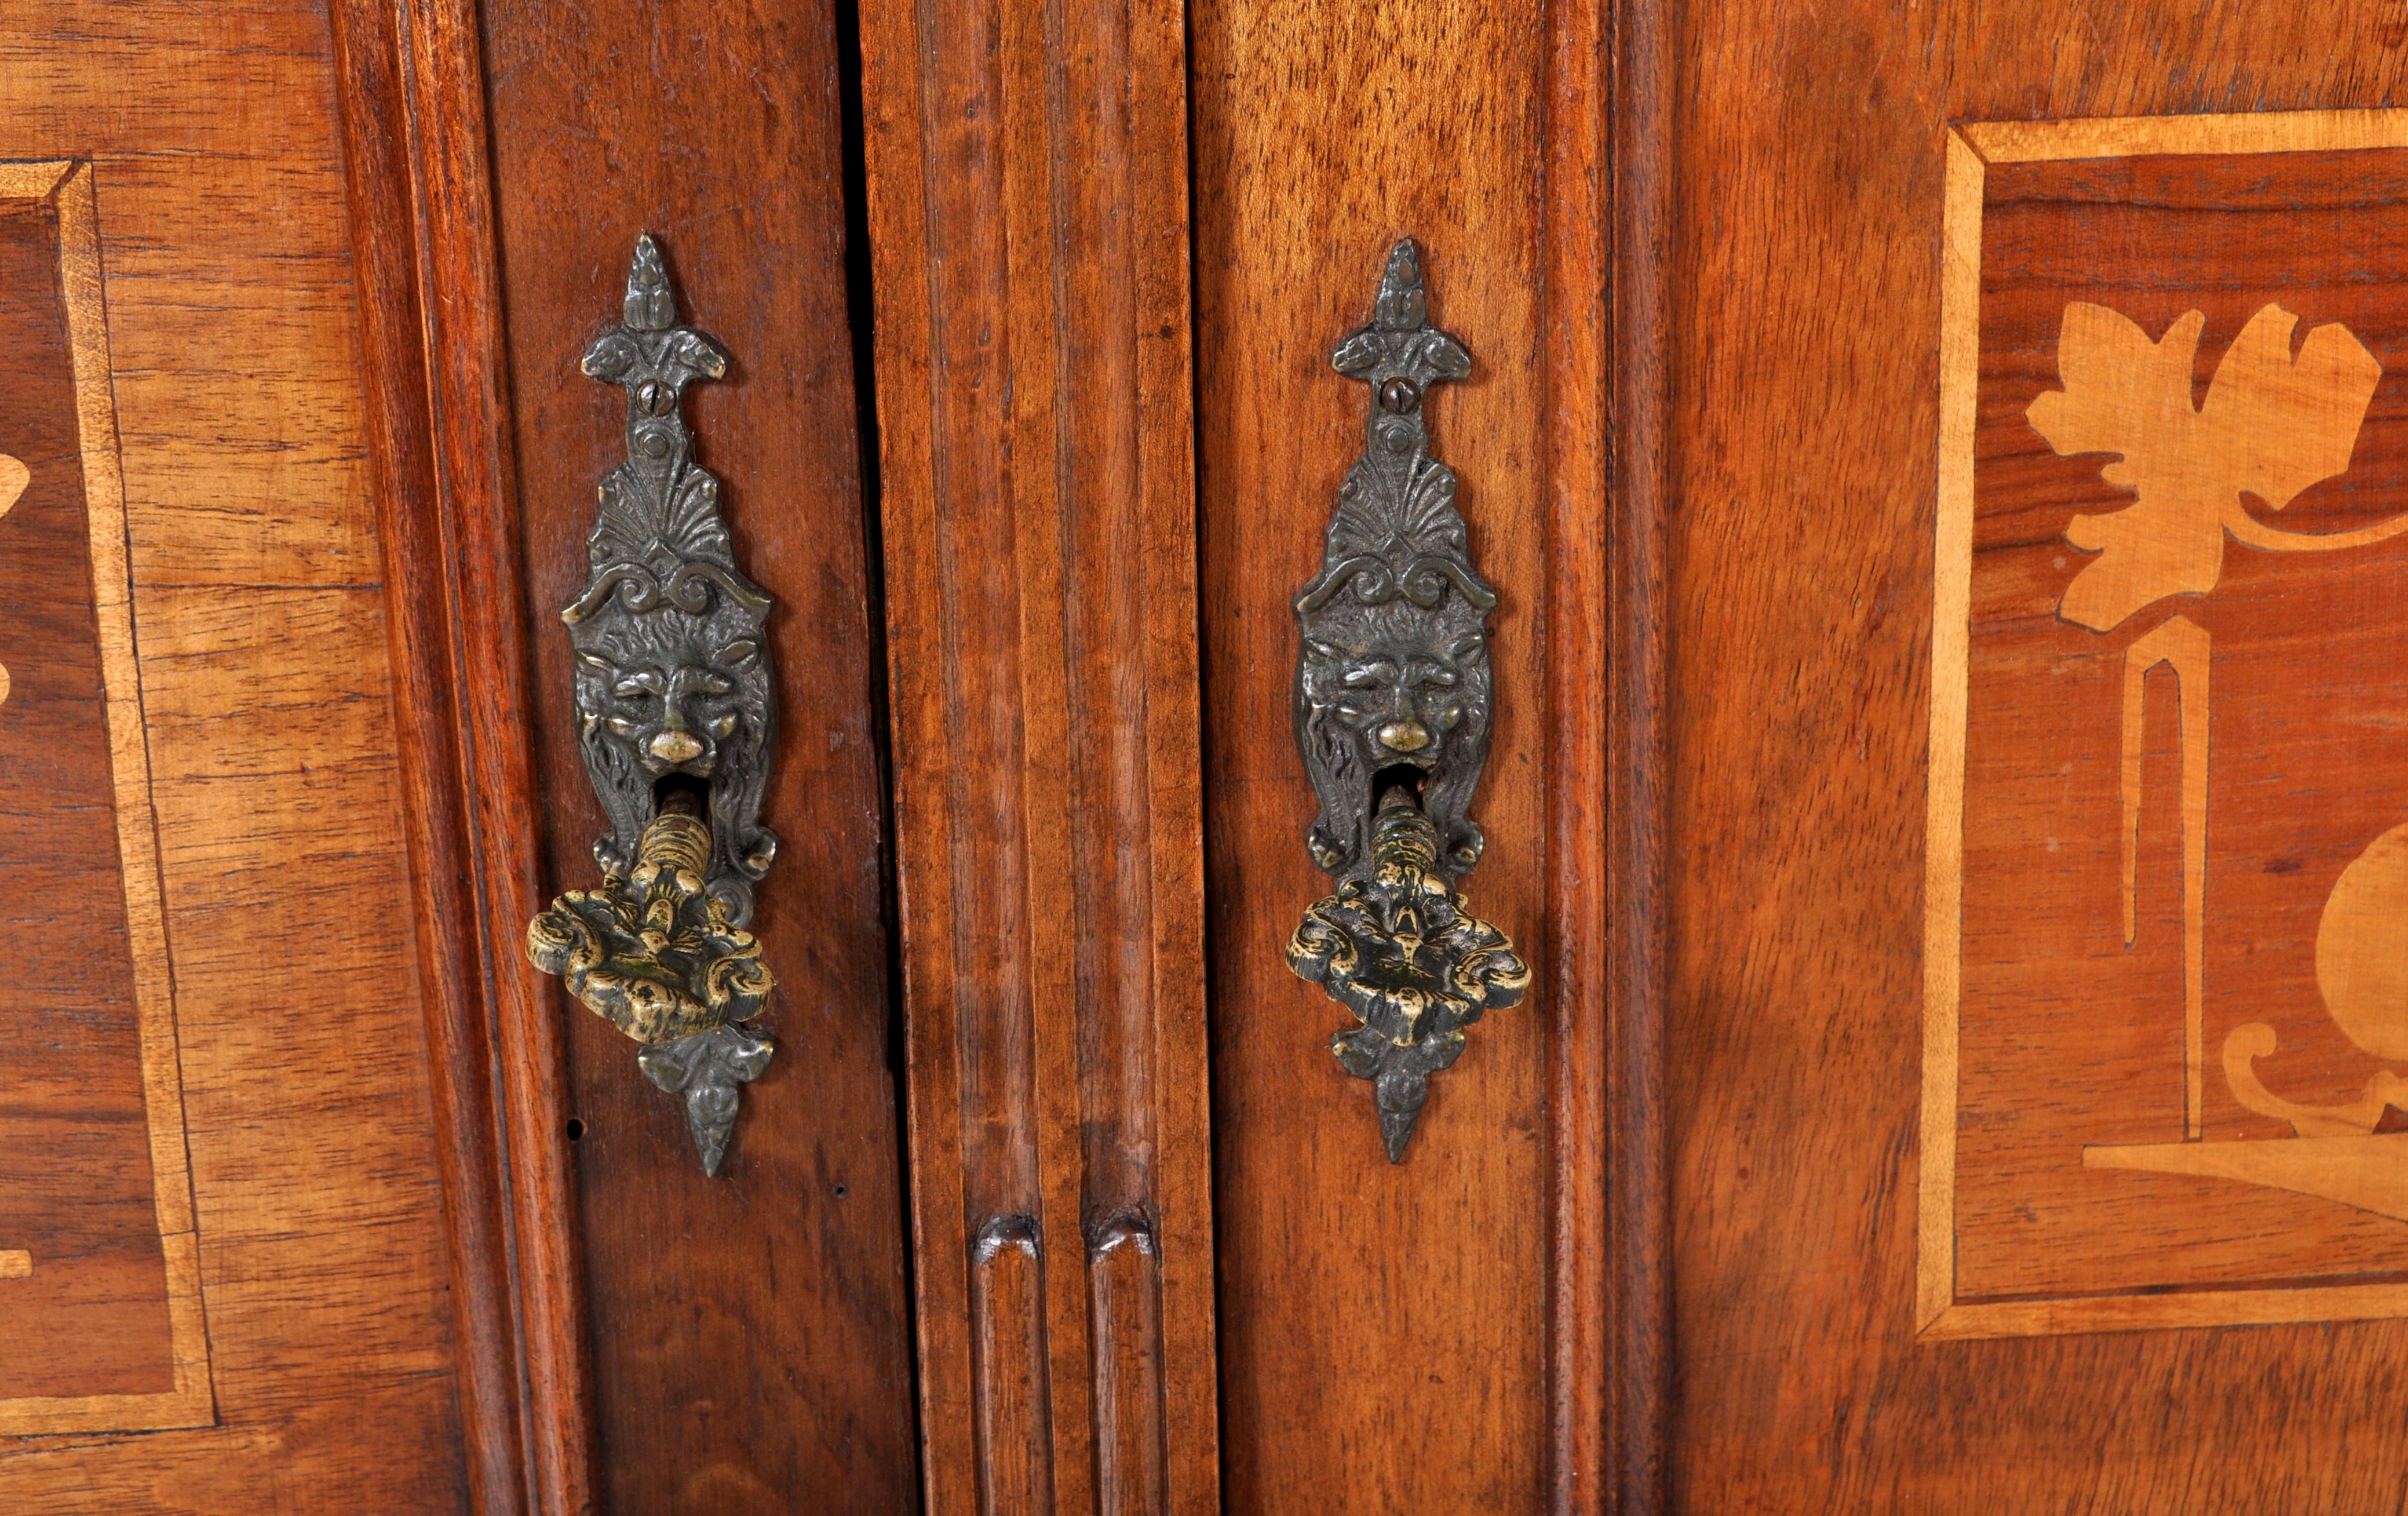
{"x":576,"y":1128}
{"x":839,"y":1191}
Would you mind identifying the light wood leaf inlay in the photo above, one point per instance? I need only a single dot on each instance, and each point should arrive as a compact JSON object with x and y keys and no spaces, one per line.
{"x":14,"y":477}
{"x":2273,"y":424}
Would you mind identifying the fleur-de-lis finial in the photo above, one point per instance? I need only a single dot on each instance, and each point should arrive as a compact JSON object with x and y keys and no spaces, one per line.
{"x":1400,"y":344}
{"x":677,"y":723}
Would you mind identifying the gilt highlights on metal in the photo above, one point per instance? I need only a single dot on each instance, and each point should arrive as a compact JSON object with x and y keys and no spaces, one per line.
{"x":672,"y":680}
{"x":1402,"y":951}
{"x":655,"y":955}
{"x":1393,"y":704}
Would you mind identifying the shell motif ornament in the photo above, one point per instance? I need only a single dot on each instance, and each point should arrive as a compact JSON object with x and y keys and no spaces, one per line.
{"x":1393,"y":705}
{"x":677,"y":723}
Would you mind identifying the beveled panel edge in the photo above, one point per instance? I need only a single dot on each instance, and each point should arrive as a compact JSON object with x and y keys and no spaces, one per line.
{"x":68,"y":186}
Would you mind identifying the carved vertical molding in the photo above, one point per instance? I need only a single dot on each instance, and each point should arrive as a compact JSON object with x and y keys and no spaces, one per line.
{"x":1607,"y":246}
{"x":1125,"y":1286}
{"x":1616,"y":70}
{"x":416,"y":164}
{"x":1015,"y":1457}
{"x":1585,"y":642}
{"x":1028,"y":169}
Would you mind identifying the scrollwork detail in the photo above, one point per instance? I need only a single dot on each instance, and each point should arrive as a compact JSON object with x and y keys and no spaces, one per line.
{"x":1393,"y":706}
{"x":673,"y":672}
{"x":656,"y":956}
{"x":1402,"y":950}
{"x":676,"y":722}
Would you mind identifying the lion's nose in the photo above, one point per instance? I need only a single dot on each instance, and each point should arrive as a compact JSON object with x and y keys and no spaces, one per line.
{"x":1406,"y":736}
{"x":674,"y":746}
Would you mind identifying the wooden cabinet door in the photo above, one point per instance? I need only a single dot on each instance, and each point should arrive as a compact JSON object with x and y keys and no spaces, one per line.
{"x":311,"y":1178}
{"x":2034,"y":595}
{"x":224,"y":1279}
{"x":1163,"y":1260}
{"x":1924,"y":478}
{"x":1934,"y":466}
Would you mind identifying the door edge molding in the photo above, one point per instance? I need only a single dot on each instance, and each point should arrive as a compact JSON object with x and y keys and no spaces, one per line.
{"x":416,"y":166}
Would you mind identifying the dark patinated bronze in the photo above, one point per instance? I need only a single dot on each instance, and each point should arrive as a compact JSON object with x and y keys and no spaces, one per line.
{"x":673,"y":695}
{"x":1393,"y":705}
{"x":1403,"y":951}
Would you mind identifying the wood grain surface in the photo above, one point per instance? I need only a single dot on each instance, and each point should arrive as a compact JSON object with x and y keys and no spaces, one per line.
{"x":1632,"y":1408}
{"x":1028,"y":217}
{"x":749,"y":1335}
{"x":421,"y":249}
{"x":82,"y":1201}
{"x":1806,"y":382}
{"x":2084,"y":1026}
{"x":1442,"y":1334}
{"x":232,"y":327}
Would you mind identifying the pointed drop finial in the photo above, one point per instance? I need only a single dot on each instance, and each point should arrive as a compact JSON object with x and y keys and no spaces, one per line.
{"x":711,"y":1116}
{"x":651,"y":305}
{"x":1401,"y":1106}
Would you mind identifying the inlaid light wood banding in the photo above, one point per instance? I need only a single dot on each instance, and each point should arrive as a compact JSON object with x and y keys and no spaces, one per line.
{"x":2281,"y":414}
{"x":66,"y":186}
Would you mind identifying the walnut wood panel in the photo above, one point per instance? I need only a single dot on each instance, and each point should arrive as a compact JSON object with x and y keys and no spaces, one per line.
{"x":1028,"y":172}
{"x":234,"y":348}
{"x":414,"y":99}
{"x":750,"y":1334}
{"x":1806,"y":365}
{"x":97,"y":1095}
{"x":2251,"y":794}
{"x":1470,"y":1291}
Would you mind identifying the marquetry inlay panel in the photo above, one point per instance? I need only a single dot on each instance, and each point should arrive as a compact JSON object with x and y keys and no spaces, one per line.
{"x":2168,"y":936}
